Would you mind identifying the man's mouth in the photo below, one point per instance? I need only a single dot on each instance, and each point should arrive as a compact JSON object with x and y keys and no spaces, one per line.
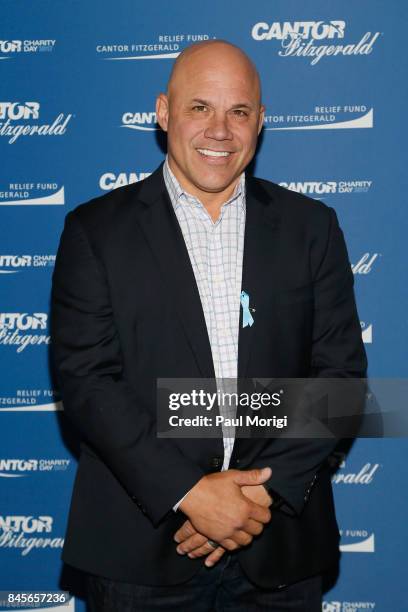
{"x":211,"y":153}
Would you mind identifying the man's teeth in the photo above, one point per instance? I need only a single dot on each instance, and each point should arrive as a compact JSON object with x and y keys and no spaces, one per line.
{"x":214,"y":153}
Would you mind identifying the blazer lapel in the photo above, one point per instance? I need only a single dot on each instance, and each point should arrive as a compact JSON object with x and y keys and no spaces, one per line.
{"x":260,"y":256}
{"x":160,"y":226}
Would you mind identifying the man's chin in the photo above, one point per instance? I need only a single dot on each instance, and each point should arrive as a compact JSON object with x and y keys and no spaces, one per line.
{"x":216,"y":184}
{"x":214,"y":188}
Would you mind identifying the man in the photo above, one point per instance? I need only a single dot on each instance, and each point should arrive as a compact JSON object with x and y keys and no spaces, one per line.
{"x":147,"y":284}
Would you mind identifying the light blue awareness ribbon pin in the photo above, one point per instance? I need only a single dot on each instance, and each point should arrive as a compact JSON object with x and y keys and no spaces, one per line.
{"x":247,"y":318}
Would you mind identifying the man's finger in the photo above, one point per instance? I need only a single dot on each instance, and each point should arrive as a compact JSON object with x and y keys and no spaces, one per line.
{"x":242,"y":538}
{"x":252,"y":527}
{"x":185,"y":531}
{"x":202,"y":551}
{"x":260,"y":513}
{"x":252,"y":477}
{"x":215,"y":556}
{"x":191,"y":543}
{"x":257,"y":494}
{"x":229,"y":544}
{"x":239,"y":539}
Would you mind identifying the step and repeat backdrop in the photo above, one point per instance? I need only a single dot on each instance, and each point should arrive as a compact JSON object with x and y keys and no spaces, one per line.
{"x":78,"y":83}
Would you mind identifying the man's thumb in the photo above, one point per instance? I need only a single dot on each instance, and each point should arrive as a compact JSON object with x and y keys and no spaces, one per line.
{"x":253,"y":477}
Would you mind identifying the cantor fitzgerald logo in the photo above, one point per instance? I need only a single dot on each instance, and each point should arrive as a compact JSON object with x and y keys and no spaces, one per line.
{"x":365,"y":264}
{"x":31,"y":400}
{"x":143,"y":121}
{"x":348,"y":116}
{"x":19,"y":119}
{"x":357,"y":541}
{"x":112,"y":180}
{"x":324,"y":188}
{"x":347,"y":606}
{"x":165,"y":46}
{"x":19,"y":468}
{"x":303,"y":39}
{"x":13,"y":264}
{"x":33,"y":194}
{"x":363,"y":476}
{"x":10,"y":49}
{"x":21,"y":329}
{"x":26,"y":533}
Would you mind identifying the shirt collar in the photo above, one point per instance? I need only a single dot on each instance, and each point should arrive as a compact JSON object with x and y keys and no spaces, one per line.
{"x":177,"y":193}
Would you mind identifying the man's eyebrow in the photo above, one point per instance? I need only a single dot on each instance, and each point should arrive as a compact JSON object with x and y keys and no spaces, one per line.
{"x":239,"y":105}
{"x":200,"y":101}
{"x":243,"y":105}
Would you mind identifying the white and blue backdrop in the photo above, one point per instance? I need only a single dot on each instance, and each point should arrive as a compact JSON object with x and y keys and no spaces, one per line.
{"x":78,"y":82}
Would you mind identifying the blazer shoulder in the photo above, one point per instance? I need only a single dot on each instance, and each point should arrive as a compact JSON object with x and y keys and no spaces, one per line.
{"x":294,"y":204}
{"x":114,"y":208}
{"x":104,"y":208}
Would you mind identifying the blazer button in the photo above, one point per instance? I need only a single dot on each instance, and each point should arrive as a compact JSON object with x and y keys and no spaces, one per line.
{"x":215,"y":463}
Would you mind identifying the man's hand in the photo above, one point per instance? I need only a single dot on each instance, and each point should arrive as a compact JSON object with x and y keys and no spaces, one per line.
{"x":220,"y":509}
{"x":196,"y":545}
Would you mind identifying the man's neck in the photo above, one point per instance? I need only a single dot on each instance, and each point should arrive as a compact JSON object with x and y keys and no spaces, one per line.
{"x":212,"y":201}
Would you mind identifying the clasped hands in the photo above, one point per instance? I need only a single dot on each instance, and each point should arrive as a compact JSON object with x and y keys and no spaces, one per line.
{"x":229,"y":508}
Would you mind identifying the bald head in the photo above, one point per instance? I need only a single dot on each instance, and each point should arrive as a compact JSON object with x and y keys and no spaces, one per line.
{"x":212,"y":114}
{"x":214,"y":55}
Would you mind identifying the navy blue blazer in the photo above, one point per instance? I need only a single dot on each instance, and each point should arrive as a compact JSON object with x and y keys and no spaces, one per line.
{"x":126,"y":310}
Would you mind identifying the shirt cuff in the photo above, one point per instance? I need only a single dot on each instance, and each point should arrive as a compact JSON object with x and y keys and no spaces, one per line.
{"x":175,"y":507}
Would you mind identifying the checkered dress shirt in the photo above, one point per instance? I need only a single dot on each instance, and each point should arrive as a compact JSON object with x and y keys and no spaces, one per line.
{"x":216,"y":252}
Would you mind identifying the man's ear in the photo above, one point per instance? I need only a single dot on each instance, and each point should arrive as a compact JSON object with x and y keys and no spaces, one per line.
{"x":162,"y":111}
{"x":261,"y":118}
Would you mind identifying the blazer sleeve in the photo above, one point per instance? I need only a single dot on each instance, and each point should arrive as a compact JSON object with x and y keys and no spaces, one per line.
{"x":96,"y":396}
{"x":337,"y":351}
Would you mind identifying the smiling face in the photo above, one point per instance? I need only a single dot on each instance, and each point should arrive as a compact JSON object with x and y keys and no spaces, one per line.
{"x":213,"y":115}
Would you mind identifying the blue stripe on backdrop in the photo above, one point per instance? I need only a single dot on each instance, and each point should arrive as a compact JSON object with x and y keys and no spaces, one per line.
{"x":88,"y":73}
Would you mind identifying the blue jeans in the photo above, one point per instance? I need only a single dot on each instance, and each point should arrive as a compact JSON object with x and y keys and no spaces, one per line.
{"x":222,"y":588}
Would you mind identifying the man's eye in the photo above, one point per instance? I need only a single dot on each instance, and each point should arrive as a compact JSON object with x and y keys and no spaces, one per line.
{"x":240,"y":113}
{"x":200,"y":108}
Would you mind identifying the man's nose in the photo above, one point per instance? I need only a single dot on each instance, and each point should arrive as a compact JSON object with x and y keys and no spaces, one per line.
{"x":218,"y":128}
